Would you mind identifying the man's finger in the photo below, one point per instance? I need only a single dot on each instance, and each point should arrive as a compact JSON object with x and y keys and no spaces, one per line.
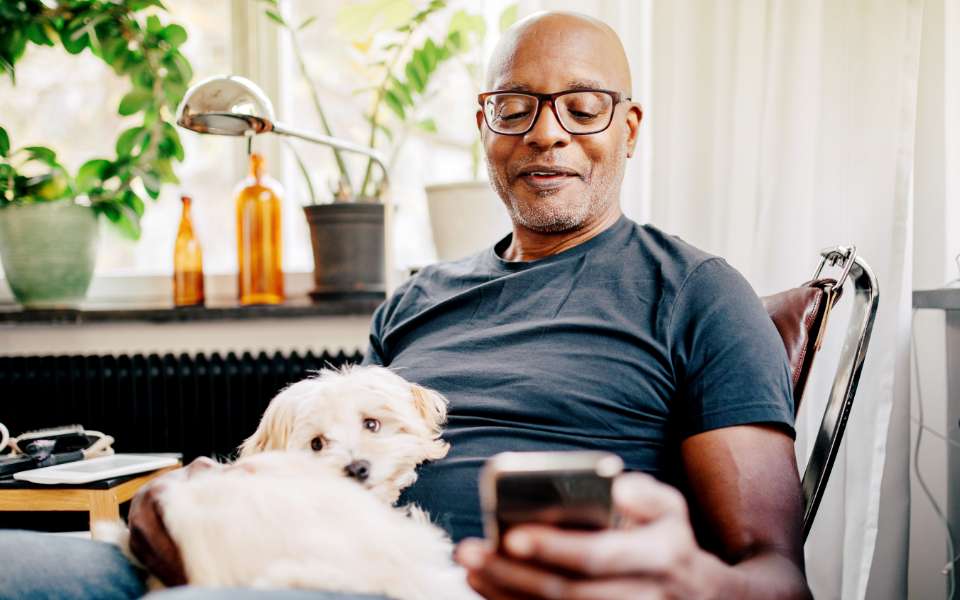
{"x":646,"y":550}
{"x":642,"y":499}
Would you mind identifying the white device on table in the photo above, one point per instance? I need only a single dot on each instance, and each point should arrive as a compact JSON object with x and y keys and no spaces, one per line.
{"x":95,"y":469}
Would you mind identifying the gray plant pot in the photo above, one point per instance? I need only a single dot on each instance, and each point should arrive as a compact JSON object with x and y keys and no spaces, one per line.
{"x":348,"y":243}
{"x":49,"y":251}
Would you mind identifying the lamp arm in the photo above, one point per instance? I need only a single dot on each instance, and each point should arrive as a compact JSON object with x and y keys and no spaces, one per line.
{"x":333,"y":142}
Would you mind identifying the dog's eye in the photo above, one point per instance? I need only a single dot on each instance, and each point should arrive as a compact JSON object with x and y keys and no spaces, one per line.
{"x":316,"y":444}
{"x":371,"y":425}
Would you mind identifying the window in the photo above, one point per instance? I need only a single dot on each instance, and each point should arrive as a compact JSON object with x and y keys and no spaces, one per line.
{"x":69,"y":103}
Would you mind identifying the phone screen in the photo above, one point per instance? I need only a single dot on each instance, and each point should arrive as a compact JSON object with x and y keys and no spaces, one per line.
{"x":573,"y":500}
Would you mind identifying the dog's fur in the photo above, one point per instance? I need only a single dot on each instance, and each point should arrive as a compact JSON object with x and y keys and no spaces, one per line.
{"x":285,"y":515}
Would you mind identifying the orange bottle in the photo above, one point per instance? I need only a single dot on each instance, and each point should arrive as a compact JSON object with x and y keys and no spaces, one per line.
{"x":187,"y":262}
{"x":259,"y":245}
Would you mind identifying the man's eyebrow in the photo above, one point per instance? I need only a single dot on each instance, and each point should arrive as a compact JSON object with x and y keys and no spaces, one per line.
{"x":513,"y":86}
{"x":577,"y":84}
{"x":584,"y":84}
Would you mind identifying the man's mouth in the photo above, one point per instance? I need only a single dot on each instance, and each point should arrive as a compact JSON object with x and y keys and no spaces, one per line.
{"x":543,"y":177}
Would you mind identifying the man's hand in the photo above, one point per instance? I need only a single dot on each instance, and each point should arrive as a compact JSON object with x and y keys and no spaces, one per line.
{"x":150,"y":541}
{"x":745,"y":489}
{"x":654,"y":555}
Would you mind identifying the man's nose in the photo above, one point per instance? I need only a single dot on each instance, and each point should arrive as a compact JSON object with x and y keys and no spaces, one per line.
{"x":358,"y":469}
{"x":546,"y":131}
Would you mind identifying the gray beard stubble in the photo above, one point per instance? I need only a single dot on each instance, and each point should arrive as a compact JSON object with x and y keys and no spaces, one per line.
{"x":543,"y":218}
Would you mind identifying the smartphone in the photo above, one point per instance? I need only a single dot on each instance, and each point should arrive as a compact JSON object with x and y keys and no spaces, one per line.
{"x":565,"y":489}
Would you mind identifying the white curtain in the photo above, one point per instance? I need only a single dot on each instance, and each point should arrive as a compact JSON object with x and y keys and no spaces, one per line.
{"x":774,"y":129}
{"x":780,"y":128}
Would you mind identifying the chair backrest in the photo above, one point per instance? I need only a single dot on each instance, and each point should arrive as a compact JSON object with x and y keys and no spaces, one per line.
{"x":801,"y":315}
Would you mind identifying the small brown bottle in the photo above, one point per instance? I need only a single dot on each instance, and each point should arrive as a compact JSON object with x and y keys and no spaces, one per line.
{"x":187,"y":262}
{"x":259,"y":243}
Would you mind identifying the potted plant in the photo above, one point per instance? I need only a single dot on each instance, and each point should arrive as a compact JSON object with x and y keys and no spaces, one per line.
{"x":404,"y":55}
{"x":467,"y":216}
{"x":48,"y":216}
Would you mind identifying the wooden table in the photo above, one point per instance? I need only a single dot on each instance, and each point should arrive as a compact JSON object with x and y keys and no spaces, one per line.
{"x":102,"y":499}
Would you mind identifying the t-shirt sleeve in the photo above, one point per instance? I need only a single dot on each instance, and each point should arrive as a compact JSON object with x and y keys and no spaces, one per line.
{"x":374,"y":355}
{"x":378,"y":327}
{"x":730,"y":363}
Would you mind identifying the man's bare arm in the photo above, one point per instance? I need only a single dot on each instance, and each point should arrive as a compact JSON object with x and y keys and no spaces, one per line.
{"x":745,"y":479}
{"x":745,"y":489}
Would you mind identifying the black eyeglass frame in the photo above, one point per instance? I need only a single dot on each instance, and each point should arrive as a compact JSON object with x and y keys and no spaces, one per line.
{"x":617,"y":98}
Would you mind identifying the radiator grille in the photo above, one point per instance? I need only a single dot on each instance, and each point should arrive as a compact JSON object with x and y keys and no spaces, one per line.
{"x":199,"y":405}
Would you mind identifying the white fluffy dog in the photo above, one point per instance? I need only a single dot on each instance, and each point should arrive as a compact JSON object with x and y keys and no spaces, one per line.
{"x":309,"y":502}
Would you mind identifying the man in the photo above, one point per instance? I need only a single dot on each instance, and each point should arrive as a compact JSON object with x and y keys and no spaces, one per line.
{"x":583,"y":330}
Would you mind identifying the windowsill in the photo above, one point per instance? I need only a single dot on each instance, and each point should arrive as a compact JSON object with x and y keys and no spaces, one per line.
{"x":165,"y":312}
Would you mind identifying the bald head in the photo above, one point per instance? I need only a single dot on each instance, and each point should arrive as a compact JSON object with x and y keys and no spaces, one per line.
{"x":558,"y":40}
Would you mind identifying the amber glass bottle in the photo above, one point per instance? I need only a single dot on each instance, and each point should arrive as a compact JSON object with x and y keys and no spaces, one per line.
{"x":187,"y":262}
{"x":259,"y":244}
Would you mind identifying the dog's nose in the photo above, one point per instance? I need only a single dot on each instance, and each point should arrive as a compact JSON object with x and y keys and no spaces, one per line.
{"x":358,"y":469}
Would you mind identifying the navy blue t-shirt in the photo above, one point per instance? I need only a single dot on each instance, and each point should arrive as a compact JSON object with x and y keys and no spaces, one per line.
{"x":629,"y":342}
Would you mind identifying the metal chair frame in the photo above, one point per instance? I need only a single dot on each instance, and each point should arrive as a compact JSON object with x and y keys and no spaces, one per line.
{"x":865,"y":301}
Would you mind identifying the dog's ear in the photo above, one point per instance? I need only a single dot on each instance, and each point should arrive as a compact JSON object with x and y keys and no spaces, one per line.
{"x":275,"y":426}
{"x":431,"y":405}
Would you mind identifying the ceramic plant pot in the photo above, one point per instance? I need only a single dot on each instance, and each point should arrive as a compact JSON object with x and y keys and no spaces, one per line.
{"x":49,"y":251}
{"x":348,"y":250}
{"x":465,"y":218}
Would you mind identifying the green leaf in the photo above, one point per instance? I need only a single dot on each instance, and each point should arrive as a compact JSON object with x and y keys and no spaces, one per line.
{"x":170,"y":144}
{"x":7,"y":66}
{"x":416,"y":77}
{"x":394,"y":103}
{"x":112,"y":49}
{"x":132,"y":141}
{"x":37,"y":34}
{"x":143,"y":76}
{"x":508,"y":17}
{"x":455,"y":41}
{"x":401,"y":91}
{"x":173,"y":91}
{"x":42,"y":154}
{"x":136,"y":5}
{"x":4,"y":142}
{"x":174,"y":34}
{"x":154,"y":26}
{"x":306,"y":23}
{"x":91,"y":174}
{"x":275,"y":16}
{"x":430,"y":55}
{"x":72,"y":42}
{"x":428,"y":125}
{"x":122,"y":216}
{"x":181,"y":66}
{"x":134,"y":101}
{"x":132,"y":200}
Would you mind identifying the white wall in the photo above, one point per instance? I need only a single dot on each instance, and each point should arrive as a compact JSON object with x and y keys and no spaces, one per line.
{"x":936,"y":241}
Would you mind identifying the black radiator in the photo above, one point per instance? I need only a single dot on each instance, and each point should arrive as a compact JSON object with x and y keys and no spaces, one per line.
{"x":197,"y":405}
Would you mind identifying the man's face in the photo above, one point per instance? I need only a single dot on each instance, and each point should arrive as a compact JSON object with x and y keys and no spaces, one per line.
{"x":549,"y":180}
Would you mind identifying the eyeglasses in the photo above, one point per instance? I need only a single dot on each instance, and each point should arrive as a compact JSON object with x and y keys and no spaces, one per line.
{"x":579,"y":112}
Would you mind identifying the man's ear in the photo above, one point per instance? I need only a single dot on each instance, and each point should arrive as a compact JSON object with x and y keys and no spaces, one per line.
{"x":275,"y":426}
{"x":480,"y":121}
{"x":634,"y":117}
{"x":431,"y":405}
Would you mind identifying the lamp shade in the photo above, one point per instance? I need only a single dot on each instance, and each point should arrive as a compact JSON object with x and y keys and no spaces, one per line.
{"x":226,"y":105}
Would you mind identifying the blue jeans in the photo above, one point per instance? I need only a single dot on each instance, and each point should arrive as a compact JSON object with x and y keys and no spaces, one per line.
{"x":39,"y":566}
